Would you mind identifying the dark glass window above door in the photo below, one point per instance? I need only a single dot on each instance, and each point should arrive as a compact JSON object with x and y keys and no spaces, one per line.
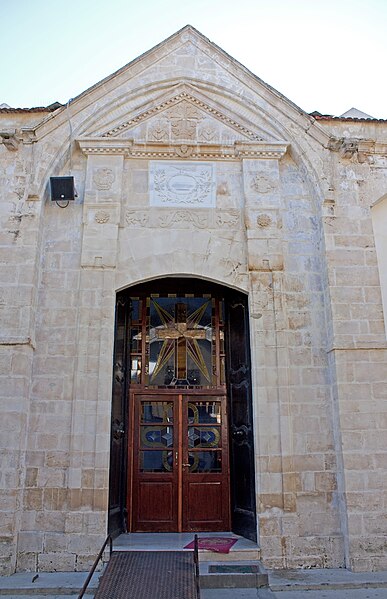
{"x":177,"y":342}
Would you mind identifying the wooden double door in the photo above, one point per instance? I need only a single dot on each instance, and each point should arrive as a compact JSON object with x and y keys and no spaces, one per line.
{"x":182,"y":451}
{"x":180,"y":465}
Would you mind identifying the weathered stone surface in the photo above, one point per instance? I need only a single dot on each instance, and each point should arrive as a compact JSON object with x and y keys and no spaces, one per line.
{"x":186,"y":165}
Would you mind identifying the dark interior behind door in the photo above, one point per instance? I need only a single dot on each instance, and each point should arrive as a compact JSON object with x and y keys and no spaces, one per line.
{"x":118,"y":451}
{"x":243,"y":505}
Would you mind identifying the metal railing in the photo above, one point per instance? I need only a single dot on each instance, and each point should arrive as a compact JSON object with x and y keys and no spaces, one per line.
{"x":99,"y":556}
{"x":196,"y":562}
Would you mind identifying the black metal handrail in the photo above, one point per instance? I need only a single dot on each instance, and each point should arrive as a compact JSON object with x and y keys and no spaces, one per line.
{"x":196,"y":562}
{"x":99,"y":556}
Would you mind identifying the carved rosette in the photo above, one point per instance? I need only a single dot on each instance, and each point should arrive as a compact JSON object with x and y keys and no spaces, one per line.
{"x":103,"y":178}
{"x":101,"y":217}
{"x":264,"y":220}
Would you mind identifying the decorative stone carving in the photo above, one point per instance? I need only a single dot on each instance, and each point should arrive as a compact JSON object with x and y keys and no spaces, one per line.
{"x":179,"y":217}
{"x":101,"y":217}
{"x":158,"y":131}
{"x":264,"y":220}
{"x":206,"y":132}
{"x":212,"y":151}
{"x":176,"y":184}
{"x":136,"y":219}
{"x":184,"y":151}
{"x":184,"y":118}
{"x":228,"y":219}
{"x":261,"y":183}
{"x":188,"y":117}
{"x":103,"y":178}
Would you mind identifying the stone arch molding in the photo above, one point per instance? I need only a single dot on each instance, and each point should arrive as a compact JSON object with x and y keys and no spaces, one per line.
{"x":379,"y":223}
{"x":222,"y":263}
{"x":123,"y":281}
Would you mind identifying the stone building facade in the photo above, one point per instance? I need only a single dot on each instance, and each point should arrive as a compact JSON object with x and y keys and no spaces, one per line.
{"x":186,"y":165}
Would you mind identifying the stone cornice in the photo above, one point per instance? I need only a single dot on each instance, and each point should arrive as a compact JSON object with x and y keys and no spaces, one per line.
{"x":99,"y":146}
{"x":348,"y":147}
{"x":274,"y":150}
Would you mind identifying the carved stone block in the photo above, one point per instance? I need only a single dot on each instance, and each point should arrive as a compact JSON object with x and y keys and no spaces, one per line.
{"x":178,"y":184}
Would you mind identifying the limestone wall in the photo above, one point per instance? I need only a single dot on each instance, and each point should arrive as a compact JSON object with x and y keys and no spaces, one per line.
{"x":279,"y":207}
{"x":358,"y":347}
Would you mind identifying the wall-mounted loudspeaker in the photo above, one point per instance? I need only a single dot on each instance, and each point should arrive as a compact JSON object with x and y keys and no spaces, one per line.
{"x":62,"y":189}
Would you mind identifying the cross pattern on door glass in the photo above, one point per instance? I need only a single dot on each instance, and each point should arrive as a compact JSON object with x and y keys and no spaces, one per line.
{"x":181,"y":333}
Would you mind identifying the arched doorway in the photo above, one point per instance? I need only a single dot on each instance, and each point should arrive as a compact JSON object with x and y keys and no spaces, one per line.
{"x":182,"y":455}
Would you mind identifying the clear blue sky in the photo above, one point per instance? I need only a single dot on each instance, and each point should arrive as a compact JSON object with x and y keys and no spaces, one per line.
{"x":325,"y":55}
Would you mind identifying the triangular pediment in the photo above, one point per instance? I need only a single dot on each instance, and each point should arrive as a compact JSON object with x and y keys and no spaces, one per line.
{"x":185,"y":90}
{"x":183,"y":117}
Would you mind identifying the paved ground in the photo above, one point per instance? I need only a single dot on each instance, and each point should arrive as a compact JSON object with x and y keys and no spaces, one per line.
{"x":334,"y":594}
{"x":306,"y":594}
{"x":46,"y":596}
{"x":47,"y":585}
{"x":311,"y":584}
{"x":286,"y":584}
{"x":257,"y":594}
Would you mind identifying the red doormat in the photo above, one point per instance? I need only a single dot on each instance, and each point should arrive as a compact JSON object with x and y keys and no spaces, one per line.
{"x":217,"y":544}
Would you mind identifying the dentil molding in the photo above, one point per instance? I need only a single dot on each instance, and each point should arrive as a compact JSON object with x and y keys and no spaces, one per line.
{"x":164,"y":151}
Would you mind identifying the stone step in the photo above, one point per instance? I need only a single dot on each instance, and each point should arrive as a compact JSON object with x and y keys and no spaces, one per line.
{"x":232,"y":574}
{"x":235,"y":555}
{"x":243,"y":549}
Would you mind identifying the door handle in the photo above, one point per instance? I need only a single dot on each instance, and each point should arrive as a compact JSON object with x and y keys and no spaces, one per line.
{"x":186,"y":464}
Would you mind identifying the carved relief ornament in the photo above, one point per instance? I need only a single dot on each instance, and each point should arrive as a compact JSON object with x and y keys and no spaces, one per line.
{"x":230,"y":219}
{"x":263,"y":220}
{"x":101,"y":217}
{"x":182,"y":184}
{"x":186,"y":217}
{"x":103,"y":178}
{"x":184,"y":118}
{"x":136,"y":219}
{"x":184,"y":111}
{"x":262,"y":183}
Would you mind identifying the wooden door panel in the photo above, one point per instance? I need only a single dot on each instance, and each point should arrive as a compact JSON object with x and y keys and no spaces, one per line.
{"x":157,"y":504}
{"x":205,"y":464}
{"x":155,"y":473}
{"x":180,"y":466}
{"x":204,"y":509}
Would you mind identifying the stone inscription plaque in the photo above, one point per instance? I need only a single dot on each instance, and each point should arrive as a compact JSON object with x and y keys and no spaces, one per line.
{"x":179,"y":184}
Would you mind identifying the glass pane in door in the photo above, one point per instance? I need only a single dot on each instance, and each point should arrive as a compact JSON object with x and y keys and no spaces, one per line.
{"x":156,"y":436}
{"x":179,"y":339}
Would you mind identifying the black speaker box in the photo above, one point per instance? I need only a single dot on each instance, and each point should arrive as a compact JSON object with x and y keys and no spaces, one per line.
{"x":62,"y":189}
